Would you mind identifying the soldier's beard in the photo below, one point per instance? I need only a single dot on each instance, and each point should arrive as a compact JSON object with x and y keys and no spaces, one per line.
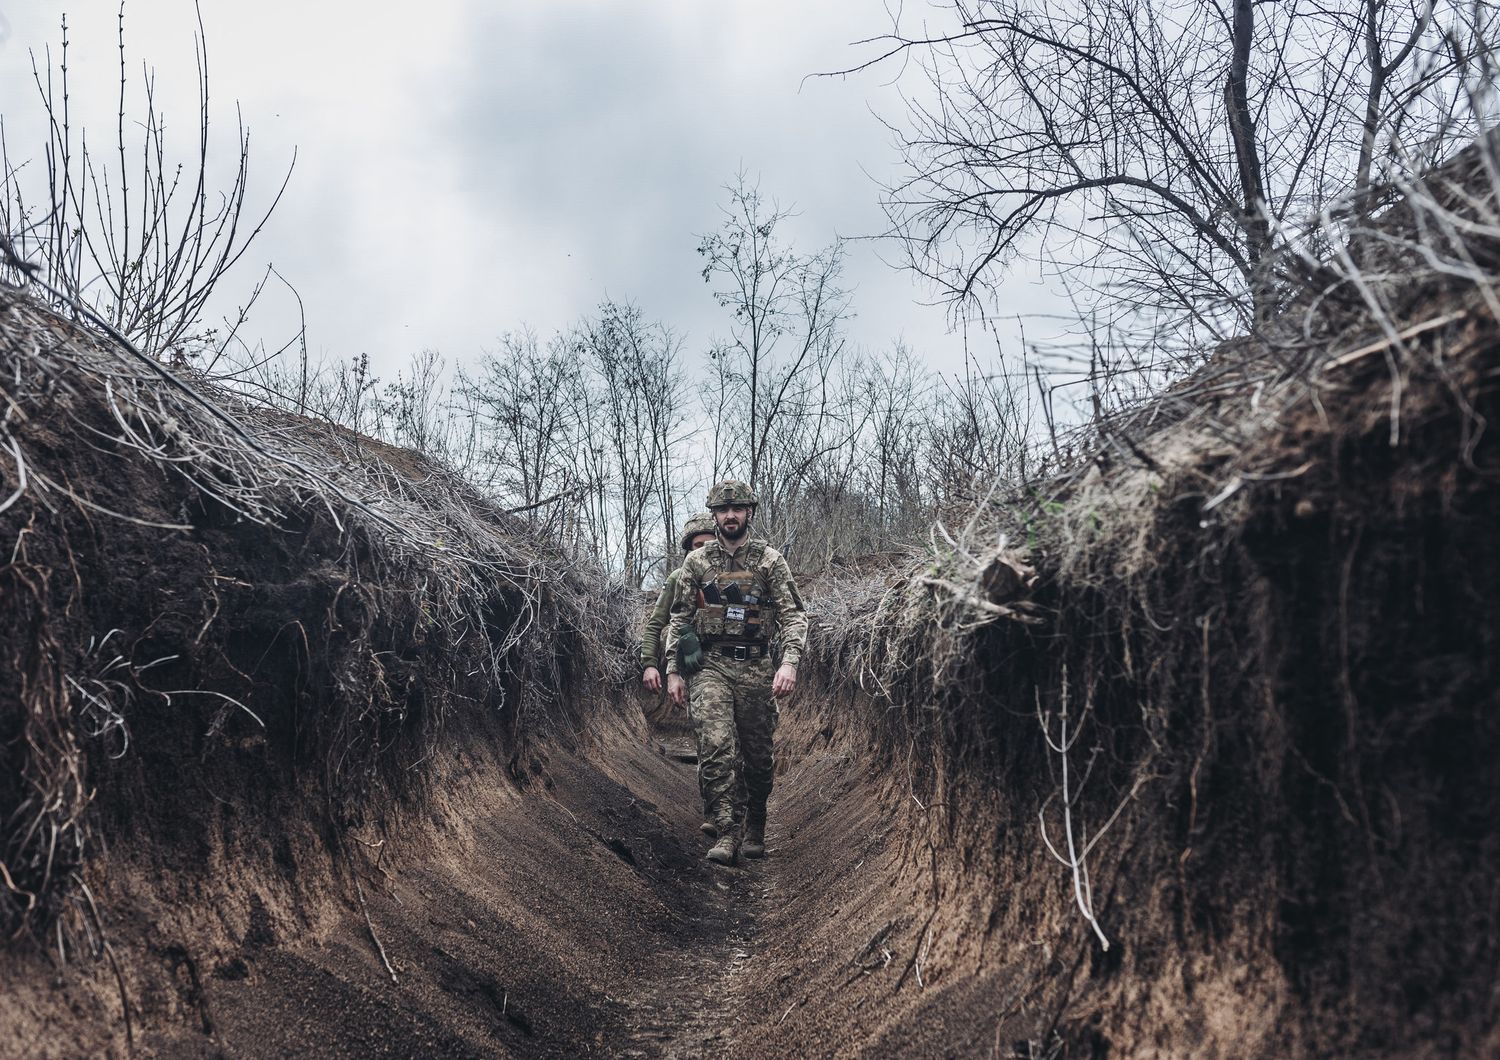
{"x":737,"y":536}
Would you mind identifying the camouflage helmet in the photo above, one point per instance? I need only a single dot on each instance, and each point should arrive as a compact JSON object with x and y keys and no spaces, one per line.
{"x":701,"y":523}
{"x":731,"y":491}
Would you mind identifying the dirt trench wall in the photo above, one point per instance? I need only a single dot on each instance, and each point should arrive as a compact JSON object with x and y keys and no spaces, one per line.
{"x":236,"y":658}
{"x":1284,"y":709}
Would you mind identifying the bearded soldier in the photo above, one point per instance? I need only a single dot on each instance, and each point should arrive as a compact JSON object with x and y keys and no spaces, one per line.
{"x":734,"y":597}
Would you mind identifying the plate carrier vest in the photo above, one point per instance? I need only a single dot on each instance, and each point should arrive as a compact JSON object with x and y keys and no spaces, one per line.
{"x":734,"y":605}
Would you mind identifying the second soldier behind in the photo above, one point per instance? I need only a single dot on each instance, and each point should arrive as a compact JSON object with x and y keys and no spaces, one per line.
{"x":696,"y":532}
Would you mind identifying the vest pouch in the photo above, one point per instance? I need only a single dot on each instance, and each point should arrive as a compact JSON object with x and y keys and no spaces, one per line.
{"x":737,"y":588}
{"x":708,"y":621}
{"x":689,"y":653}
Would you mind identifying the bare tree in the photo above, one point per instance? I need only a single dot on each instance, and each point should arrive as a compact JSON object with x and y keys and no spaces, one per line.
{"x":350,"y":396}
{"x":907,"y":444}
{"x":840,"y":460}
{"x":638,"y":383}
{"x":811,"y":454}
{"x":786,"y":315}
{"x":140,"y":238}
{"x":1158,"y":150}
{"x":524,"y":406}
{"x":981,"y":431}
{"x":414,"y":408}
{"x":896,"y":390}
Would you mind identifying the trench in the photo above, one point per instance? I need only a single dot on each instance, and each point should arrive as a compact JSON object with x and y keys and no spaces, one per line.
{"x":372,"y":806}
{"x":448,"y":832}
{"x":580,"y":918}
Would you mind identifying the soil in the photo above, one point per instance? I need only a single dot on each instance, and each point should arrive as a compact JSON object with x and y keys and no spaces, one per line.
{"x":575,"y":918}
{"x":412,"y":849}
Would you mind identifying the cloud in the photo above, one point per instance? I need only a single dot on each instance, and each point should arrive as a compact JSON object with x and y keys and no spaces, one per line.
{"x":607,"y":132}
{"x":465,"y":168}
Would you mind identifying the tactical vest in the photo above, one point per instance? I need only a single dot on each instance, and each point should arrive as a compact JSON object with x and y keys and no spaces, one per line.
{"x":734,"y":605}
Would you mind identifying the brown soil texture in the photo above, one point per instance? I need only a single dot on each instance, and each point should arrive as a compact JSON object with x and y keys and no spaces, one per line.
{"x":576,"y":918}
{"x":392,"y":818}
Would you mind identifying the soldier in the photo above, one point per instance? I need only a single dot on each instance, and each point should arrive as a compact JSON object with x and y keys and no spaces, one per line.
{"x":696,"y":532}
{"x":735,"y":595}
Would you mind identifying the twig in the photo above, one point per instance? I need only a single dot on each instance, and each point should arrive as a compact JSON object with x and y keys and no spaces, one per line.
{"x":1344,"y":359}
{"x":109,"y":951}
{"x":370,"y":924}
{"x":1082,"y":893}
{"x":560,"y":495}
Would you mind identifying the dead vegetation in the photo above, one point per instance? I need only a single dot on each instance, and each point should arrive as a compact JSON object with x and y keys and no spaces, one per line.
{"x":206,"y":595}
{"x":1239,"y":721}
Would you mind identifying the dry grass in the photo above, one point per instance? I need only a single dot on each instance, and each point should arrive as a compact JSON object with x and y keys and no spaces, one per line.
{"x":302,"y":585}
{"x":1254,"y":648}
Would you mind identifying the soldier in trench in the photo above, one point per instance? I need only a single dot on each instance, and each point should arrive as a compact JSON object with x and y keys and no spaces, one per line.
{"x":735,"y":596}
{"x":696,"y":532}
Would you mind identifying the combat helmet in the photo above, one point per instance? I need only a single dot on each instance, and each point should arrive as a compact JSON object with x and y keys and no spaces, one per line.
{"x":701,"y":523}
{"x":731,"y":491}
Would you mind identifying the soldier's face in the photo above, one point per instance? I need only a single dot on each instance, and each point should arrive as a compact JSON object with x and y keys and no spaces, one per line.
{"x":733,"y":520}
{"x":697,"y":541}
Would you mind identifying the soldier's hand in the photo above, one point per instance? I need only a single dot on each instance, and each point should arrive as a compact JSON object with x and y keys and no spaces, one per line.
{"x":677,"y":689}
{"x":651,"y":679}
{"x":785,"y":681}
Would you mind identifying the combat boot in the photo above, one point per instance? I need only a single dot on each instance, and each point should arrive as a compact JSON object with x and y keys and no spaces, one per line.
{"x":723,"y":852}
{"x":754,"y":845}
{"x":709,"y":829}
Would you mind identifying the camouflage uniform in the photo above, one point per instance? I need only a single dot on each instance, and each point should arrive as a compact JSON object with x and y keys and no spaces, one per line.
{"x":652,"y":649}
{"x":653,"y":654}
{"x":733,"y":712}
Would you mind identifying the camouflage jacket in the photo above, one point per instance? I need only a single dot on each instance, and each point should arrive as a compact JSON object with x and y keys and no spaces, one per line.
{"x":743,"y":596}
{"x":656,"y":621}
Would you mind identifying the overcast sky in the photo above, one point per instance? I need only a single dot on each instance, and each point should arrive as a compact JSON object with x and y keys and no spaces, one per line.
{"x":467,"y":167}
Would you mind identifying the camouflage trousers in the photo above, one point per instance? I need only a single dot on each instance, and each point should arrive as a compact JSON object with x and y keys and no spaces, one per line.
{"x":706,"y":790}
{"x":734,"y":718}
